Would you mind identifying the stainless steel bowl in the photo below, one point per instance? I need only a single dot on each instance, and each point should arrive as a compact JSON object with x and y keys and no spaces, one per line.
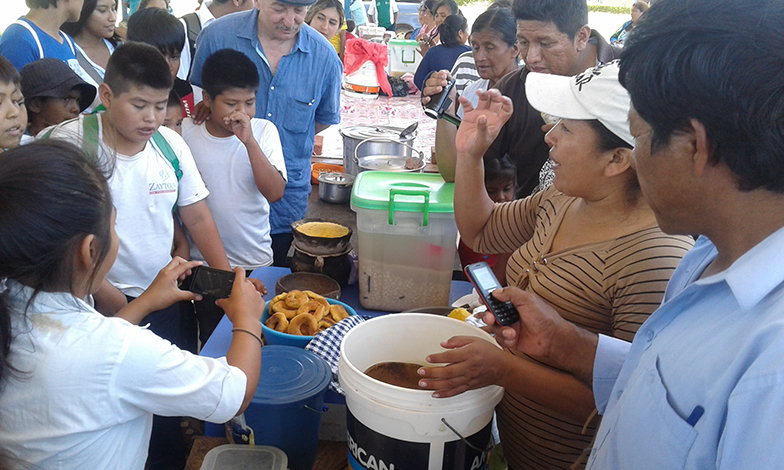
{"x":335,"y":188}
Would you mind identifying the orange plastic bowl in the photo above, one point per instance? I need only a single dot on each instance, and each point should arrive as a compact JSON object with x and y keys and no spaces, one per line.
{"x":318,"y":168}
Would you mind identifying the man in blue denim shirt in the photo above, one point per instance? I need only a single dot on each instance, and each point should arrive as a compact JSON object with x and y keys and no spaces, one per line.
{"x":702,"y":384}
{"x":299,"y":91}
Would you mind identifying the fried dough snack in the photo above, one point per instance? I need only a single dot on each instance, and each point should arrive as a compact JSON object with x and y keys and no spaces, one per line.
{"x":278,"y":322}
{"x":303,"y":313}
{"x":303,"y":324}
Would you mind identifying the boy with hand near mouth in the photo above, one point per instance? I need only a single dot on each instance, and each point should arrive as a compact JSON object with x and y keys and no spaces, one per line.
{"x":53,"y":93}
{"x":241,"y":161}
{"x":13,"y":114}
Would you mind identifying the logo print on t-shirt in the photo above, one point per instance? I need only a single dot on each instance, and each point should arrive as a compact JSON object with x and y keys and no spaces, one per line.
{"x":163,"y":187}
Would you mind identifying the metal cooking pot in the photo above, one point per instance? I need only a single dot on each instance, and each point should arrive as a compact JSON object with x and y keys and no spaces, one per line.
{"x":375,"y":140}
{"x":335,"y":187}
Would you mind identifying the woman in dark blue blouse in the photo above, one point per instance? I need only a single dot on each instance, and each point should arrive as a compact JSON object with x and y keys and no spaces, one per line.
{"x":454,"y":33}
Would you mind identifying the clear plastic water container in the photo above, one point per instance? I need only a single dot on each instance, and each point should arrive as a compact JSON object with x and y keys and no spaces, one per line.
{"x":406,"y":237}
{"x":235,"y":457}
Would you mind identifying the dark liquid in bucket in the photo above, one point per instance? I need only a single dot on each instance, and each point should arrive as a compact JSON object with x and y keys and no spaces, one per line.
{"x":400,"y":374}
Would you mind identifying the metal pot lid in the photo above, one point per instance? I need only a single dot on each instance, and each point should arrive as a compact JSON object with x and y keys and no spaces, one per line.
{"x":387,"y":163}
{"x":343,"y":179}
{"x":375,"y":132}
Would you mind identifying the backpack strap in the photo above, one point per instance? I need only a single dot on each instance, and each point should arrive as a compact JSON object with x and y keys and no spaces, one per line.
{"x":90,"y":134}
{"x":88,"y":67}
{"x":168,"y":153}
{"x":193,"y":26}
{"x":159,"y":142}
{"x":193,"y":29}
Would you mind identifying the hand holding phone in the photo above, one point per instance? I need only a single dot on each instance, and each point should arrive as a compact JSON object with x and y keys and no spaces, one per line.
{"x":209,"y":281}
{"x":440,"y":102}
{"x":482,"y":277}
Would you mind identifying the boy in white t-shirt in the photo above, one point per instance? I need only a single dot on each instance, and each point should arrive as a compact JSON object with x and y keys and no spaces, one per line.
{"x":146,"y":185}
{"x":241,"y":161}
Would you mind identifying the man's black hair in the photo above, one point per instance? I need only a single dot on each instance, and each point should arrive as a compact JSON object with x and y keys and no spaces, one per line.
{"x":137,"y":64}
{"x":567,"y":15}
{"x":158,"y":28}
{"x":677,"y":67}
{"x":228,"y":68}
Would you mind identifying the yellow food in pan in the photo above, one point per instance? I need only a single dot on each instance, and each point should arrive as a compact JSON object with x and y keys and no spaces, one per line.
{"x":323,"y":230}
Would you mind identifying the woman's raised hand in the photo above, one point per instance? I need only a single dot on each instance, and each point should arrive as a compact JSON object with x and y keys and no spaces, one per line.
{"x":481,"y":125}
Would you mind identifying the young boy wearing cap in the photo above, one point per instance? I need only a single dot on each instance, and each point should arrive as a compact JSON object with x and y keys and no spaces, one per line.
{"x":13,"y":115}
{"x":53,"y":93}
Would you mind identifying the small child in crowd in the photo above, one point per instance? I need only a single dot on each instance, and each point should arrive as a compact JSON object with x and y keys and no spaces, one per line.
{"x":79,"y":389}
{"x":53,"y":93}
{"x":13,"y":114}
{"x":174,"y":115}
{"x":500,"y":180}
{"x":241,"y":160}
{"x":163,"y":31}
{"x":153,"y":172}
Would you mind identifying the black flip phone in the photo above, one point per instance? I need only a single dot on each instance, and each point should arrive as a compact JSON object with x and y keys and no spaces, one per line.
{"x":209,"y":281}
{"x":482,"y":277}
{"x":439,"y":103}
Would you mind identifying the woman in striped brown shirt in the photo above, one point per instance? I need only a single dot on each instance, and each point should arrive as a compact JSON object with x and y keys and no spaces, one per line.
{"x":589,"y":246}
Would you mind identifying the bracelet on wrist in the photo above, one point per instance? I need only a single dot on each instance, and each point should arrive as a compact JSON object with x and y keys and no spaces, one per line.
{"x":243,"y":330}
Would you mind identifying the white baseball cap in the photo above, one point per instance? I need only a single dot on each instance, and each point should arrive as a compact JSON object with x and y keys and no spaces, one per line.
{"x":593,"y":94}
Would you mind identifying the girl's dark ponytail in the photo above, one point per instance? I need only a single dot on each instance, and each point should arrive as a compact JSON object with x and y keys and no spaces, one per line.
{"x":51,"y":197}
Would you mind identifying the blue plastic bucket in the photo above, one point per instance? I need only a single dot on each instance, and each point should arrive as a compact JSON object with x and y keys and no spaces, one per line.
{"x":286,"y":409}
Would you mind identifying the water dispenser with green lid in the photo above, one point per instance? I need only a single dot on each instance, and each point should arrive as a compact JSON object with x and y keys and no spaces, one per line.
{"x":406,"y":237}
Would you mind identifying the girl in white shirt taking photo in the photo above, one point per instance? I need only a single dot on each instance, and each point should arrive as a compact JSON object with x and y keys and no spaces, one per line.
{"x":77,"y":389}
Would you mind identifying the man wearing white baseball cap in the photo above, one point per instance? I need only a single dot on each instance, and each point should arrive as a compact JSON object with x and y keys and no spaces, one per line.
{"x":702,"y":384}
{"x":588,"y":246}
{"x":299,"y":91}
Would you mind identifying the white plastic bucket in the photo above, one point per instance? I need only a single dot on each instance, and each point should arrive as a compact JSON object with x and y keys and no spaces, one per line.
{"x":394,"y":428}
{"x":363,"y":82}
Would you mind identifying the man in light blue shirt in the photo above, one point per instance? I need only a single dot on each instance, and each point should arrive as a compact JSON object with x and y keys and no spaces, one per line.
{"x":299,"y":92}
{"x":702,"y":385}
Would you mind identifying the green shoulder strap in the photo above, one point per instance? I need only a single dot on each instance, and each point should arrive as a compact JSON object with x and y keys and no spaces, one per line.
{"x":90,"y":135}
{"x":167,"y":152}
